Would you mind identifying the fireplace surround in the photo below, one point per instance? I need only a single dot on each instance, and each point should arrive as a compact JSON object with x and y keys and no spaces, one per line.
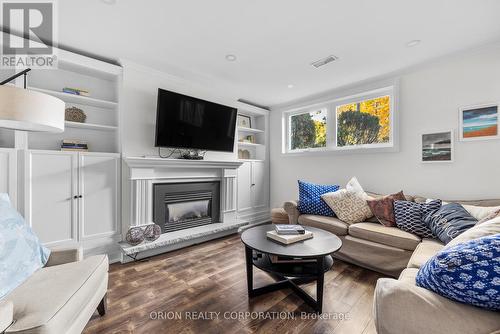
{"x":144,"y":174}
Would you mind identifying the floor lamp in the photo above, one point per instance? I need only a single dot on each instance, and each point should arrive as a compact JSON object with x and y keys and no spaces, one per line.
{"x":23,"y":109}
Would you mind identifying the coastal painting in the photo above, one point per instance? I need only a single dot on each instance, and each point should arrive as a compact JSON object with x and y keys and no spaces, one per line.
{"x":479,"y":123}
{"x":437,"y":146}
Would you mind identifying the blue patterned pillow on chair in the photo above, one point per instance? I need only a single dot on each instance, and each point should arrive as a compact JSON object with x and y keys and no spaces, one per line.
{"x":310,"y":201}
{"x":468,"y":272}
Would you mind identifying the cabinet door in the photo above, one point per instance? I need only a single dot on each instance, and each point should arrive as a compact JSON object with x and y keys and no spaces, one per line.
{"x":50,"y":187}
{"x":99,"y":195}
{"x":8,"y":174}
{"x":245,"y":186}
{"x":259,"y":184}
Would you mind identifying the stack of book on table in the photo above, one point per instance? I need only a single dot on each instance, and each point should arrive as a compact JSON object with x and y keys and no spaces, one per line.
{"x":76,"y":91}
{"x":288,"y":234}
{"x":74,"y":145}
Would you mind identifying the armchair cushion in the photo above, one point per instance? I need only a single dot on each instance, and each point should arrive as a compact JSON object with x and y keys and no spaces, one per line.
{"x":6,"y":314}
{"x":51,"y":300}
{"x":62,"y":256}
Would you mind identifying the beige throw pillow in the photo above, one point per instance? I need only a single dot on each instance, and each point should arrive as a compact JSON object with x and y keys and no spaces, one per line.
{"x":349,"y":204}
{"x":478,"y":231}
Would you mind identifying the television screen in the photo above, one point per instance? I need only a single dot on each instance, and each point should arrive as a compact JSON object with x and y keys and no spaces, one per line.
{"x":187,"y":122}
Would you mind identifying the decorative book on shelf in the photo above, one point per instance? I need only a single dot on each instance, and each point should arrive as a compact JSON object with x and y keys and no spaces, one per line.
{"x":75,"y":91}
{"x":74,"y":145}
{"x":288,"y":239}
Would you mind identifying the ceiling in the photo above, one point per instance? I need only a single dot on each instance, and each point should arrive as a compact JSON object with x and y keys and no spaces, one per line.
{"x":276,"y":40}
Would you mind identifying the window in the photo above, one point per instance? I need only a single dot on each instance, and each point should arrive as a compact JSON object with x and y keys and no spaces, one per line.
{"x":366,"y":122}
{"x":362,"y":121}
{"x":308,"y":130}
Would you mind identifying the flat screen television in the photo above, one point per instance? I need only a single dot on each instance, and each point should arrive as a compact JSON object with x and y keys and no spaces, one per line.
{"x":190,"y":123}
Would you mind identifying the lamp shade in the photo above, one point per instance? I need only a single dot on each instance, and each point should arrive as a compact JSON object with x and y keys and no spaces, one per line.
{"x":22,"y":109}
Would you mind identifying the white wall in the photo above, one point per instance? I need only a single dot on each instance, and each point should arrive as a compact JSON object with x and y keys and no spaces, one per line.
{"x":430,"y":96}
{"x":138,"y":103}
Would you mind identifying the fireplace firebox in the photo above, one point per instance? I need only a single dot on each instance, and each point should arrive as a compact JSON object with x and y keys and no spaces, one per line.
{"x":179,"y":206}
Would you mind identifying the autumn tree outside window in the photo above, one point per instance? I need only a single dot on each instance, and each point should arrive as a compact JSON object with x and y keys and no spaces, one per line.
{"x":362,"y":121}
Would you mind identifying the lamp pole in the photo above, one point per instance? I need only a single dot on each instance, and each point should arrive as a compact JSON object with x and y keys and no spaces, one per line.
{"x":24,"y":72}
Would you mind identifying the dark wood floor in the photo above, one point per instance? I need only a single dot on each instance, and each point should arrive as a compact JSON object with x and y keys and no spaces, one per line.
{"x":210,"y":277}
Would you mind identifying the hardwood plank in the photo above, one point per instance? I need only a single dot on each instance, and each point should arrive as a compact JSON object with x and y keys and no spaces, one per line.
{"x":211,"y":277}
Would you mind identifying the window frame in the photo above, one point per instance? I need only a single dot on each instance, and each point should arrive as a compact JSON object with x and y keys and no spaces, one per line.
{"x":289,"y":128}
{"x":331,"y":105}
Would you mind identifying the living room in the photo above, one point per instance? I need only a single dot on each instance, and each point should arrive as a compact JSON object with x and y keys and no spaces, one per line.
{"x":250,"y":167}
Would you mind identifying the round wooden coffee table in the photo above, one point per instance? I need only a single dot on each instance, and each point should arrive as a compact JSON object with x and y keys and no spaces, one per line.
{"x":315,"y":254}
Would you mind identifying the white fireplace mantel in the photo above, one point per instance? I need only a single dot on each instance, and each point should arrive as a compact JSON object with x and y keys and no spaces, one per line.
{"x":143,"y":173}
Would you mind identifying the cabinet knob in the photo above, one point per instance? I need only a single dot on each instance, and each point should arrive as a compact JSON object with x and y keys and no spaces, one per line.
{"x":75,"y":197}
{"x":80,"y":196}
{"x":253,"y":184}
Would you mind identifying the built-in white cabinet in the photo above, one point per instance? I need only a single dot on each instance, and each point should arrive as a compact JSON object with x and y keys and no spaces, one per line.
{"x":253,"y":191}
{"x":8,"y":173}
{"x":72,"y":199}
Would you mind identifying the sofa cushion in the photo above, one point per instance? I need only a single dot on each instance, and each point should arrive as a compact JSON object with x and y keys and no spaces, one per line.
{"x":480,"y":230}
{"x":310,"y":201}
{"x":468,"y":273}
{"x":400,"y":308}
{"x":409,"y":216}
{"x":51,"y":292}
{"x":408,"y":275}
{"x":331,"y":224}
{"x":424,"y":251}
{"x":390,"y":236}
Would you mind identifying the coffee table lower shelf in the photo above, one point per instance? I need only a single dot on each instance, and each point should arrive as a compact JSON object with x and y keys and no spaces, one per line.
{"x":289,"y":276}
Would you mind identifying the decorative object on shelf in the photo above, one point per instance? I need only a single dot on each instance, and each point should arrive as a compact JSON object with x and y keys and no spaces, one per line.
{"x":244,"y":121}
{"x":27,"y":110}
{"x":249,"y":139}
{"x":243,"y":154}
{"x":74,"y":114}
{"x":152,"y":232}
{"x":74,"y":145}
{"x":437,"y":146}
{"x":135,"y":235}
{"x":479,"y":122}
{"x":76,"y":91}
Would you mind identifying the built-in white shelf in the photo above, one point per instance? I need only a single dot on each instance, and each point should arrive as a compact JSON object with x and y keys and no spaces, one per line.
{"x":90,"y":126}
{"x":249,"y":130}
{"x":250,"y":144}
{"x":78,"y":99}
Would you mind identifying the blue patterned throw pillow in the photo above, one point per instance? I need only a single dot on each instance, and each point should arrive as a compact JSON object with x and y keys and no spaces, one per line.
{"x":449,"y":221}
{"x":409,"y":216}
{"x":310,"y":201}
{"x":21,"y":253}
{"x":468,"y":273}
